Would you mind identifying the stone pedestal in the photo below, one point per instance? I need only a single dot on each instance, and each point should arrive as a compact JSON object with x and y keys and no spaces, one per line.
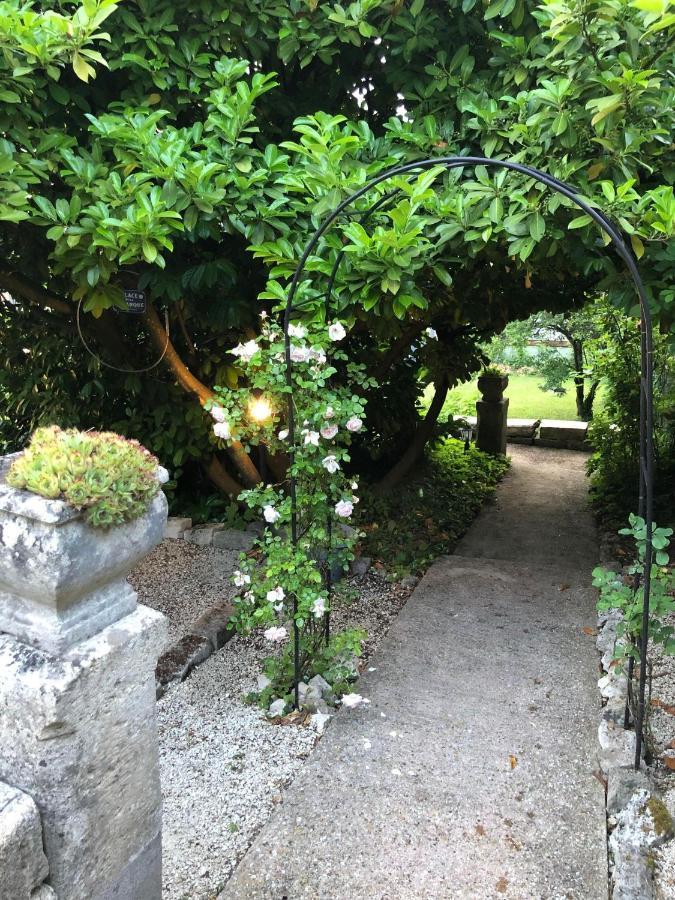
{"x":491,"y":429}
{"x":77,"y":694}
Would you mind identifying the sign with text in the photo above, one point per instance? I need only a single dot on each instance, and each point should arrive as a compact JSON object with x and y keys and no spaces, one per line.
{"x":135,"y":302}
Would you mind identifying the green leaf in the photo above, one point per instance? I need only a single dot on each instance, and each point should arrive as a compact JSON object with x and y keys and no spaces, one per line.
{"x":537,"y":226}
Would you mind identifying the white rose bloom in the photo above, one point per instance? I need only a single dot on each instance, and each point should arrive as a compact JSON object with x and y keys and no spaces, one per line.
{"x":218,"y":413}
{"x":351,"y":701}
{"x":431,"y":333}
{"x":319,"y":607}
{"x":318,"y":355}
{"x":299,"y":354}
{"x":271,"y":515}
{"x":344,"y":508}
{"x":329,"y":432}
{"x":249,"y":597}
{"x":355,"y":499}
{"x":330,"y":412}
{"x":336,"y":332}
{"x":245,"y":351}
{"x":283,"y":434}
{"x":297,"y":331}
{"x":241,"y":578}
{"x":312,"y":437}
{"x":276,"y":634}
{"x":275,"y":596}
{"x":222,"y":430}
{"x":162,"y":474}
{"x":354,"y":486}
{"x":330,"y":464}
{"x":354,"y":424}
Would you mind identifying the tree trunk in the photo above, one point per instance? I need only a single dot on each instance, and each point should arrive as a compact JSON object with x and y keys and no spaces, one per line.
{"x":218,"y":475}
{"x":424,"y":431}
{"x":240,"y":458}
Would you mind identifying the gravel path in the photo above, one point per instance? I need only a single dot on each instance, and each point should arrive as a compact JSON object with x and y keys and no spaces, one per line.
{"x":183,"y":580}
{"x":223,"y":766}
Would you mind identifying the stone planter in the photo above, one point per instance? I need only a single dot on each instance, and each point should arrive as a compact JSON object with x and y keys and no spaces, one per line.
{"x":492,"y":387}
{"x":62,"y":581}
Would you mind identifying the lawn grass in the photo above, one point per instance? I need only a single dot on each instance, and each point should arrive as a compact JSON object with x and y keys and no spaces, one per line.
{"x":526,"y":400}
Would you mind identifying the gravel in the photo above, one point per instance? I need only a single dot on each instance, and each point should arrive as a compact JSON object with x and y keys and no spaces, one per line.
{"x":183,"y":580}
{"x":662,"y":739}
{"x":223,"y":765}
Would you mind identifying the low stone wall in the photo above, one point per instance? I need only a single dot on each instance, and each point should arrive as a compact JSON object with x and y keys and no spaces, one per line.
{"x":561,"y":433}
{"x":23,"y":864}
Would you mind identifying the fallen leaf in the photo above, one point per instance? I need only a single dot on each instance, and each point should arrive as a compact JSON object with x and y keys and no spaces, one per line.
{"x":588,"y":630}
{"x":502,"y":885}
{"x":601,"y":778}
{"x":564,"y":587}
{"x":664,"y":706}
{"x":669,"y":762}
{"x":513,"y":760}
{"x":480,"y":831}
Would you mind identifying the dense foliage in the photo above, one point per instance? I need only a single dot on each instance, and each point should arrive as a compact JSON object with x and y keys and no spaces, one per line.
{"x":407,"y":529}
{"x":190,"y":149}
{"x":615,"y":430}
{"x":626,"y":593}
{"x":112,"y":479}
{"x":287,"y":585}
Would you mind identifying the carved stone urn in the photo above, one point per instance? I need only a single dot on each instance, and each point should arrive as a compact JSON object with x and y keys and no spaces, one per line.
{"x":61,"y":580}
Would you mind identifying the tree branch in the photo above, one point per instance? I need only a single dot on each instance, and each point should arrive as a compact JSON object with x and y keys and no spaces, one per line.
{"x":24,"y":289}
{"x":240,"y":458}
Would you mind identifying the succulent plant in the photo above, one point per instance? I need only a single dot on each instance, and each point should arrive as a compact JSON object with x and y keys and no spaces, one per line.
{"x":109,"y":477}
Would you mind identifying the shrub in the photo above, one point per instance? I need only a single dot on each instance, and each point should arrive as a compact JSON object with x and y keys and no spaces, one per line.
{"x":109,"y":477}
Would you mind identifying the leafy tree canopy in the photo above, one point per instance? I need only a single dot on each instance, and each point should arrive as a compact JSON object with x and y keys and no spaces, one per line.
{"x":189,"y":149}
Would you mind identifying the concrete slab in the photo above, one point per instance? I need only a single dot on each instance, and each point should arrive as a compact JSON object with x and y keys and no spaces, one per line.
{"x":540,"y":513}
{"x":470,"y":773}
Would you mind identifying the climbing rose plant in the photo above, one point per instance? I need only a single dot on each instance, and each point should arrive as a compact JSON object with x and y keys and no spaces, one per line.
{"x":285,"y":584}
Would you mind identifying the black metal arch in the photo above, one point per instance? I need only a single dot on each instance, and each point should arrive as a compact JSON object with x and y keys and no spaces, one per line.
{"x":646,"y":472}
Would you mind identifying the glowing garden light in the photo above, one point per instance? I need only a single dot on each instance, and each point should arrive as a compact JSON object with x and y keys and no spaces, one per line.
{"x":259,"y":409}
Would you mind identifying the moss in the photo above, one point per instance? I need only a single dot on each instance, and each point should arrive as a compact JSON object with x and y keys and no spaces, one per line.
{"x":663,"y":821}
{"x":112,"y":479}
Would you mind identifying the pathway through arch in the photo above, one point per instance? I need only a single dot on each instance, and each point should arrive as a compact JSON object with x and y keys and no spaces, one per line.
{"x":470,"y":773}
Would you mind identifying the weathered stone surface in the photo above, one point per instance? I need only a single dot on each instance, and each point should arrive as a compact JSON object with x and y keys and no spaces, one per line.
{"x":563,"y":433}
{"x":491,"y":429}
{"x":522,"y":430}
{"x":202,"y":535}
{"x":44,"y":892}
{"x":177,"y":663}
{"x":61,"y":580}
{"x":78,"y":733}
{"x":214,"y":625}
{"x":622,"y":783}
{"x":176,"y":526}
{"x":360,"y":566}
{"x":642,"y":824}
{"x":23,"y":864}
{"x":233,"y":539}
{"x":613,"y":685}
{"x":617,"y":746}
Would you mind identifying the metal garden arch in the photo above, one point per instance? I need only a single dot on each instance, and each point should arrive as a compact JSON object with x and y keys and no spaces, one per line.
{"x":645,"y":474}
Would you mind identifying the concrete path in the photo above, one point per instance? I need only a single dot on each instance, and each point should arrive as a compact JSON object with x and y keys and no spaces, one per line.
{"x":469,"y":775}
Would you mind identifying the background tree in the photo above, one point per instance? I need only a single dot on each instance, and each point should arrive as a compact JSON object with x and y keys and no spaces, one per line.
{"x":183,"y":153}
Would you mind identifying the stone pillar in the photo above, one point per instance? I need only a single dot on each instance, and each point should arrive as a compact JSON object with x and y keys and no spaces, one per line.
{"x":491,"y":427}
{"x":77,"y":694}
